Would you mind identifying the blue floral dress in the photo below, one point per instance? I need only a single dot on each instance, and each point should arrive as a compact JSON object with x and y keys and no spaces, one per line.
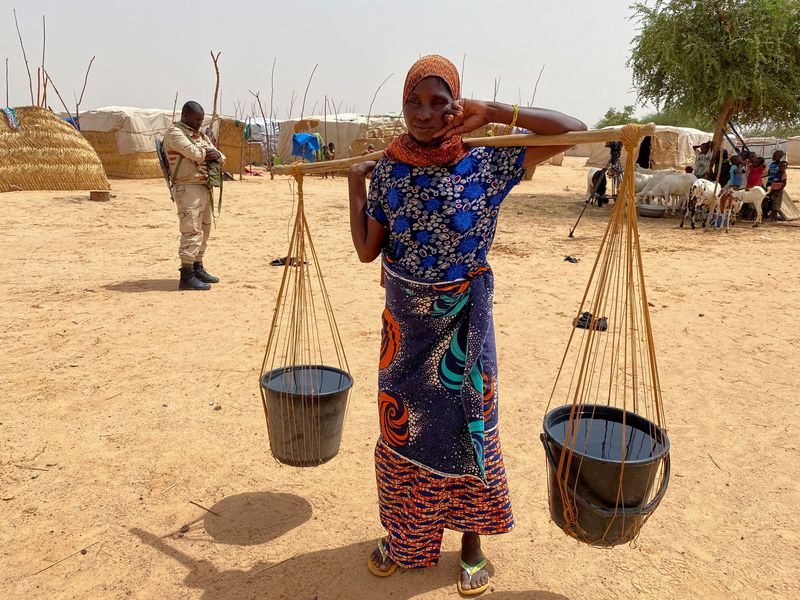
{"x":441,"y":220}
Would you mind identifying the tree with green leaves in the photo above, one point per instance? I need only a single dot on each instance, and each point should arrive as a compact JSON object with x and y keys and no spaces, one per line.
{"x":720,"y":60}
{"x":617,"y":117}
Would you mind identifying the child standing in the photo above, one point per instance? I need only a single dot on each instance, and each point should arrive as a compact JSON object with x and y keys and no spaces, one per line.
{"x":755,"y":178}
{"x":776,"y":189}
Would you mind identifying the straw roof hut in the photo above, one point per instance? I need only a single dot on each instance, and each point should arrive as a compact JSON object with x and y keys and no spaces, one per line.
{"x":46,"y":153}
{"x":232,"y":144}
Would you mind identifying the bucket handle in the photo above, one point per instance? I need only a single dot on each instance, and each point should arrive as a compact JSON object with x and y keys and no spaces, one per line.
{"x":648,"y":508}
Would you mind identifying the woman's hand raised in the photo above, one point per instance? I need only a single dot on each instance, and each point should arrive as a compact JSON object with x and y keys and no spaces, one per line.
{"x":464,"y":116}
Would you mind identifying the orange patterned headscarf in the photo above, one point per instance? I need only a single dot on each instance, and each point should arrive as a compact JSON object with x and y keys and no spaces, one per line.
{"x":408,"y":150}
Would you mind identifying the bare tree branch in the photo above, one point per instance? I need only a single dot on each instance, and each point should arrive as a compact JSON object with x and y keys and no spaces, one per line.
{"x":83,"y":90}
{"x":174,"y":106}
{"x":216,"y":85}
{"x":463,"y":60}
{"x":291,"y":105}
{"x":303,"y":107}
{"x":24,"y":56}
{"x":44,"y":44}
{"x":267,"y":127}
{"x":64,"y":104}
{"x":375,"y":95}
{"x":272,"y":88}
{"x":536,"y":87}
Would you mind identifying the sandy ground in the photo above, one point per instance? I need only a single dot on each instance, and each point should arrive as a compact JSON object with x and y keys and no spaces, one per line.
{"x":109,"y":374}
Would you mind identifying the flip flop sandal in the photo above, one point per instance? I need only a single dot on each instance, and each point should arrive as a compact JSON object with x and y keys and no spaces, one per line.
{"x":374,"y":569}
{"x":471,"y":570}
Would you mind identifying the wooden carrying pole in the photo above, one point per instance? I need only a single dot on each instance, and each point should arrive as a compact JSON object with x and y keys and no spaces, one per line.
{"x":612,"y":134}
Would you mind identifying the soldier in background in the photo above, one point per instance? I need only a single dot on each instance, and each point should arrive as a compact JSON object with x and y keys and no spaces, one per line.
{"x":190,"y":155}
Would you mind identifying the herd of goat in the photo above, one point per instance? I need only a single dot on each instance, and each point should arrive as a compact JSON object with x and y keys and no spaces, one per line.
{"x":692,"y":196}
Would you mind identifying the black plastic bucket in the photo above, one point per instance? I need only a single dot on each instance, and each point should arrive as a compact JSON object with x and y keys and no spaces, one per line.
{"x":603,"y":519}
{"x":305,"y":407}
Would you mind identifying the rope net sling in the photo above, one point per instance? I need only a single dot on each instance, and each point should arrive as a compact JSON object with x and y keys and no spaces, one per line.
{"x":303,"y":344}
{"x":610,"y":361}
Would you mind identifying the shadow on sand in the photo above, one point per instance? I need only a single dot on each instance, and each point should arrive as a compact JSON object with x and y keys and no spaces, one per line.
{"x":329,"y":574}
{"x":144,"y":285}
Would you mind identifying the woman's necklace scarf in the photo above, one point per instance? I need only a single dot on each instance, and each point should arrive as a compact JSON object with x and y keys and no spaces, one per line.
{"x":407,"y":150}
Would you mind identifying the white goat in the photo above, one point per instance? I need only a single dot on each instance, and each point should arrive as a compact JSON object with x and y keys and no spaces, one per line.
{"x":701,"y":196}
{"x":674,"y":184}
{"x":754,"y":196}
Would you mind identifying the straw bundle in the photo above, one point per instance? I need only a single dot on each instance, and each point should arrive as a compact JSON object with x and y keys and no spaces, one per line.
{"x":136,"y":165}
{"x":232,"y":144}
{"x":46,"y":153}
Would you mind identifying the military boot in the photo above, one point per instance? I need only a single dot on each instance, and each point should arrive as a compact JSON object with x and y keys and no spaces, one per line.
{"x":203,"y":275}
{"x":189,"y":280}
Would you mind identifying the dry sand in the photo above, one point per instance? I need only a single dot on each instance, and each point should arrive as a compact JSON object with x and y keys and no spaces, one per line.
{"x":108,"y":433}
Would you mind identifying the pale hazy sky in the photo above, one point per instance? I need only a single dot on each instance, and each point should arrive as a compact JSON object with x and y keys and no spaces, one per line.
{"x":147,"y":51}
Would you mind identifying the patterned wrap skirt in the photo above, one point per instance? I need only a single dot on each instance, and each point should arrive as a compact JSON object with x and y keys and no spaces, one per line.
{"x":438,"y":460}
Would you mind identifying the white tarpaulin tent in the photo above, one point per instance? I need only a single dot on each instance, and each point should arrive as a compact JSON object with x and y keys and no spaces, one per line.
{"x":136,"y":129}
{"x":670,"y":147}
{"x":793,"y":151}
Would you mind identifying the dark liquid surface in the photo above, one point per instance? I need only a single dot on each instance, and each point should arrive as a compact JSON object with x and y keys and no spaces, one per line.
{"x":603,"y":439}
{"x":307,"y":381}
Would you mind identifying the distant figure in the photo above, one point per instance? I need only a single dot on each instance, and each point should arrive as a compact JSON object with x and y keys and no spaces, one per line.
{"x":328,"y":153}
{"x":724,"y":169}
{"x":190,"y":154}
{"x":738,"y":173}
{"x":755,"y":178}
{"x":702,"y":161}
{"x":369,"y":150}
{"x":776,"y":188}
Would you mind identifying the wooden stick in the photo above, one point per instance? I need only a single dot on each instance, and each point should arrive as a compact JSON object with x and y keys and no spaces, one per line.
{"x":216,"y":514}
{"x":374,"y":96}
{"x":215,"y":60}
{"x":24,"y":56}
{"x":31,"y":468}
{"x":174,"y":106}
{"x":64,"y":104}
{"x":565,"y":139}
{"x":6,"y":81}
{"x":305,"y":94}
{"x":58,"y":562}
{"x":80,"y":100}
{"x":536,"y":87}
{"x":44,"y":44}
{"x":165,"y":490}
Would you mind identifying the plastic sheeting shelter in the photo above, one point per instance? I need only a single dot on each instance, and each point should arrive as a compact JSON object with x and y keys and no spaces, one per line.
{"x":305,"y":145}
{"x":350,"y":133}
{"x":669,"y":148}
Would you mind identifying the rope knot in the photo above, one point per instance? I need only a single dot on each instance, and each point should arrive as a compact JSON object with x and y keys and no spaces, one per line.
{"x":631,"y":136}
{"x":297,"y":171}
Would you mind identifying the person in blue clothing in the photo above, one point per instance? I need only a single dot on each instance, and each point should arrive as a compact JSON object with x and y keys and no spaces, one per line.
{"x":431,"y":212}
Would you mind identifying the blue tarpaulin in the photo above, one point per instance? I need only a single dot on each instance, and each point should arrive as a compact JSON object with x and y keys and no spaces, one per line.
{"x":305,"y":145}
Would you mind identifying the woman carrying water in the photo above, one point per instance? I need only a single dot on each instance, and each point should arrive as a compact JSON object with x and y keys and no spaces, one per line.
{"x":431,"y":211}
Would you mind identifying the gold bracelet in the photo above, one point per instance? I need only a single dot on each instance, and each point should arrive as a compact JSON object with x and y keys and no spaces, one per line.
{"x":514,"y":120}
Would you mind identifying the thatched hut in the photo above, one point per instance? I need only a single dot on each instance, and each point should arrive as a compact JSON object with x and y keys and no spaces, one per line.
{"x":232,"y":144}
{"x":46,"y":153}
